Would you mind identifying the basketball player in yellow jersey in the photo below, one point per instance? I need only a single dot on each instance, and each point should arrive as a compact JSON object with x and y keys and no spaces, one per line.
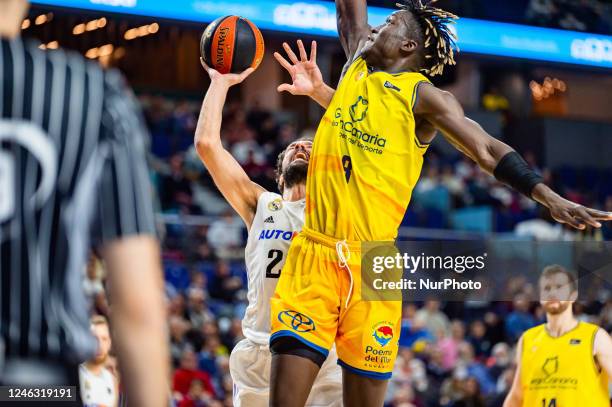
{"x":366,"y":159}
{"x":564,"y":362}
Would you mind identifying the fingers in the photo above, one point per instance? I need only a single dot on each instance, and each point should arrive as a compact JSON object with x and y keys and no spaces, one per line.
{"x":284,"y":63}
{"x":206,"y":67}
{"x":292,"y":57}
{"x":599,"y":215}
{"x":303,"y":56}
{"x":568,"y":218}
{"x":582,"y":213}
{"x":285,"y":87}
{"x":246,"y":73}
{"x":313,"y":52}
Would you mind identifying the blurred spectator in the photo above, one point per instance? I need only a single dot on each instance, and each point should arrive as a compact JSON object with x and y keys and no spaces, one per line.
{"x":472,"y":396}
{"x":222,"y":285}
{"x":226,"y":232}
{"x":432,"y":318}
{"x":197,"y":309}
{"x":519,"y":320}
{"x":449,"y":345}
{"x":187,"y":373}
{"x":478,"y":340}
{"x":94,"y":288}
{"x":98,"y":385}
{"x":475,"y":369}
{"x":175,"y":189}
{"x":178,"y":327}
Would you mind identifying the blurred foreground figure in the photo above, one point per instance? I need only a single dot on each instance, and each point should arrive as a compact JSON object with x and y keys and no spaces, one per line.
{"x":73,"y":173}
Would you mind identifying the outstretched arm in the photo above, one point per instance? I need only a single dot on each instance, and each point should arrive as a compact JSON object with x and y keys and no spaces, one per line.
{"x":235,"y":185}
{"x":441,"y":109}
{"x":352,"y":18}
{"x":515,"y":396}
{"x":305,"y":74}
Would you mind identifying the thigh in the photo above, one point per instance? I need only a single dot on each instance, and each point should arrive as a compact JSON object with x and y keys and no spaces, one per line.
{"x":306,"y":301}
{"x":327,"y":388}
{"x":368,"y":334}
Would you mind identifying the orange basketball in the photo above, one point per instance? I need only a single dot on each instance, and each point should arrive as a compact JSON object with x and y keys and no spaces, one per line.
{"x":232,"y":44}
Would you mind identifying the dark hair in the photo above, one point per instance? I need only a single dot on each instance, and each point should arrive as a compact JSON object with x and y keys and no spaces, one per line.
{"x":439,"y":42}
{"x":281,"y":156}
{"x":553,"y":269}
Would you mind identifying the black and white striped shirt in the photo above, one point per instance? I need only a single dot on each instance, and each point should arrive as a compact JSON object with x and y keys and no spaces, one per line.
{"x":72,"y":172}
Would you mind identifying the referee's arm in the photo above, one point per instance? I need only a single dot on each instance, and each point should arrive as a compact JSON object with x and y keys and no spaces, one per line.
{"x":127,"y":232}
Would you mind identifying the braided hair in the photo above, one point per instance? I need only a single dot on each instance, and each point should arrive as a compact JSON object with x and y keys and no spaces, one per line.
{"x":439,"y":41}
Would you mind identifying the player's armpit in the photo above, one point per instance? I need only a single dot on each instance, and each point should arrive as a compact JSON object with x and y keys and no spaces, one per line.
{"x":352,"y":19}
{"x":602,"y":351}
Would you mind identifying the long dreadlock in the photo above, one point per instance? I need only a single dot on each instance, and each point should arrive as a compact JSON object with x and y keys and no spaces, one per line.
{"x":439,"y":41}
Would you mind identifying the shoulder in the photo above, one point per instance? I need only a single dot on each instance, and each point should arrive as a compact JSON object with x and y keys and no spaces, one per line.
{"x":532,"y":332}
{"x":269,"y":202}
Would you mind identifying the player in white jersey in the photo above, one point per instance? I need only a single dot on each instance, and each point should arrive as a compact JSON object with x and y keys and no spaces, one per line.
{"x":272,"y":220}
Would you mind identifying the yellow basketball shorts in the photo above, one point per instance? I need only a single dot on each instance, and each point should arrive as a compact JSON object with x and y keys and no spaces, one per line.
{"x":318,"y":301}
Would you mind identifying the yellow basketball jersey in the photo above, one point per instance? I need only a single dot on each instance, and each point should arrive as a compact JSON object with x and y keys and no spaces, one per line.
{"x":366,"y":158}
{"x":561,"y":372}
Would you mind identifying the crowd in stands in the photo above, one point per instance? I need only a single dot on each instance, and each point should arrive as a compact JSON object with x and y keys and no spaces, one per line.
{"x":451,"y":354}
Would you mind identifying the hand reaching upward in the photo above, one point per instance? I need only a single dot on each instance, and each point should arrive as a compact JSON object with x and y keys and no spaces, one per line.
{"x":304,"y":71}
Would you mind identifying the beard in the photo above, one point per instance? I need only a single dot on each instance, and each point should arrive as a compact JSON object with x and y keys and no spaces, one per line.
{"x":556,"y":308}
{"x":295,"y":173}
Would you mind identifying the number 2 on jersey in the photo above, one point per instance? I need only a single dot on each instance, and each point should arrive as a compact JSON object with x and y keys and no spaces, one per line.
{"x":276,"y":256}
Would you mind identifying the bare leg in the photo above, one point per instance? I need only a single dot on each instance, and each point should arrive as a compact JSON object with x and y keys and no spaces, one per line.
{"x":291,"y":380}
{"x":360,"y":391}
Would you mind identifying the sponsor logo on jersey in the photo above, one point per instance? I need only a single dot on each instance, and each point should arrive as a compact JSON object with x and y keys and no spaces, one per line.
{"x":359,"y":109}
{"x":574,"y":342}
{"x":389,"y":85}
{"x":277,"y":234}
{"x":296,"y":321}
{"x":269,"y":219}
{"x":383,"y":333}
{"x":354,"y":135}
{"x":549,"y":378}
{"x":275,"y":205}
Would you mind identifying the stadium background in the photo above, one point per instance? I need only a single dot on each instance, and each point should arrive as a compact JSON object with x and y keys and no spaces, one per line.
{"x":557,"y":115}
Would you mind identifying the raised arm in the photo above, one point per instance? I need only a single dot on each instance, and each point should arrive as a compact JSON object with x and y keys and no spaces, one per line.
{"x":353,"y":28}
{"x":496,"y":158}
{"x":515,"y":396}
{"x":233,"y":182}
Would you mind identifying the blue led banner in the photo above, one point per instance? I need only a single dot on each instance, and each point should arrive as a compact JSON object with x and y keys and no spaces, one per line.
{"x":319,"y":18}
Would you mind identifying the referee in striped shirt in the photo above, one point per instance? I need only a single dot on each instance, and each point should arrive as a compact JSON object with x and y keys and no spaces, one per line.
{"x":73,"y":174}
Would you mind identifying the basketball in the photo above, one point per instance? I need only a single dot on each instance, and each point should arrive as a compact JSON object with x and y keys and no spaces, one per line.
{"x":232,"y":44}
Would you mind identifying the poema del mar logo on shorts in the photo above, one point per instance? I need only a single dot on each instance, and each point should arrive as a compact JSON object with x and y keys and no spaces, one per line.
{"x":382,"y":333}
{"x":296,"y":321}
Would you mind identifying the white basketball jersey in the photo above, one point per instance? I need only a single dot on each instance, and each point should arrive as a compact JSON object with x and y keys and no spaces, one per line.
{"x":275,"y":224}
{"x":97,"y":390}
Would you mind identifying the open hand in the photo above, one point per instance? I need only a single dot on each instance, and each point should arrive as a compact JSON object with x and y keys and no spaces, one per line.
{"x":305,"y":73}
